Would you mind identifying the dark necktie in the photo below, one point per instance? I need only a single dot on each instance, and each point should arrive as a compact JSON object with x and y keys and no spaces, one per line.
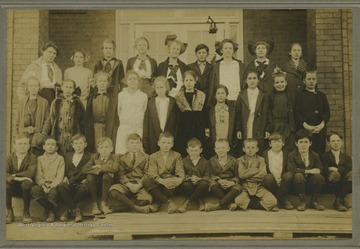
{"x":262,"y":66}
{"x":108,"y":67}
{"x":173,"y":71}
{"x":50,"y":73}
{"x":142,"y":65}
{"x":133,"y":159}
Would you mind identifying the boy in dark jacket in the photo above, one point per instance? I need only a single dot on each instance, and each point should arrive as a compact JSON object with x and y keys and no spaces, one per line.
{"x":197,"y":176}
{"x":73,"y":189}
{"x":20,"y":173}
{"x":306,"y":167}
{"x":338,"y":171}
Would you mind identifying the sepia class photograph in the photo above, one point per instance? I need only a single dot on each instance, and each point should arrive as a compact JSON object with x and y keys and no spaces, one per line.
{"x":179,"y":124}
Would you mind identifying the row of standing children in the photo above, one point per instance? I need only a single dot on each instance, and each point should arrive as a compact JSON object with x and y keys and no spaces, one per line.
{"x":256,"y":112}
{"x":142,"y":183}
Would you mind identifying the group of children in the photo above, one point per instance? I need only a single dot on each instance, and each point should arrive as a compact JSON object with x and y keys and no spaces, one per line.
{"x":143,"y":183}
{"x":222,"y":111}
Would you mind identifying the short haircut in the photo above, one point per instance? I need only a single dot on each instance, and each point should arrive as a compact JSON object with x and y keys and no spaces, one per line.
{"x":162,"y":79}
{"x":276,"y":136}
{"x":104,"y":140}
{"x":201,"y":46}
{"x":52,"y":44}
{"x":111,"y":41}
{"x":222,"y":87}
{"x":166,"y":134}
{"x":143,"y":39}
{"x":68,"y":80}
{"x":101,"y":73}
{"x":330,"y":133}
{"x":50,"y":137}
{"x":78,"y":136}
{"x":300,"y":134}
{"x":193,"y":142}
{"x":222,"y":140}
{"x":309,"y":71}
{"x":133,"y":136}
{"x":21,"y":136}
{"x":250,"y":140}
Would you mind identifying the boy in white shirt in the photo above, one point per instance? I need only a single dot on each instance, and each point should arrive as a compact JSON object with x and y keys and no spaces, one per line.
{"x":277,"y":180}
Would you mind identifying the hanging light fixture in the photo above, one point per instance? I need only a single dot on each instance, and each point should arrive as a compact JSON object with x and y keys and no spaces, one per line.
{"x":213,"y":28}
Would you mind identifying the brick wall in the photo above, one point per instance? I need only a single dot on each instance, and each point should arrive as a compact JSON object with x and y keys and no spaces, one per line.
{"x":26,"y":31}
{"x":329,"y":30}
{"x":347,"y":65}
{"x":81,"y":29}
{"x":284,"y":26}
{"x":333,"y":56}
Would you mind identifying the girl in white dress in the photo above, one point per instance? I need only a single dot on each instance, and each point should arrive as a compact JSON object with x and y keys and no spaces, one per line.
{"x":131,"y":110}
{"x":82,"y":76}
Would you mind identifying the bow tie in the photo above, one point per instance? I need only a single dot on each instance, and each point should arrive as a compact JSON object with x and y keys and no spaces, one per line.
{"x":173,"y":71}
{"x":262,"y":66}
{"x":100,"y":94}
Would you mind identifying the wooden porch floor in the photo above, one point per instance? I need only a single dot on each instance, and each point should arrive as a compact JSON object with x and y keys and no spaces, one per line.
{"x":285,"y":224}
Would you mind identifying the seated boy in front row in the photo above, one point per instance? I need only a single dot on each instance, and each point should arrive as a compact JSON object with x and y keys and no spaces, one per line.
{"x":197,"y":176}
{"x":252,"y":169}
{"x":100,"y":171}
{"x":132,"y":169}
{"x":306,"y":167}
{"x":49,"y":174}
{"x":338,"y":171}
{"x":74,"y":189}
{"x":277,"y":180}
{"x":20,"y":172}
{"x":224,"y":177}
{"x":165,"y":174}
